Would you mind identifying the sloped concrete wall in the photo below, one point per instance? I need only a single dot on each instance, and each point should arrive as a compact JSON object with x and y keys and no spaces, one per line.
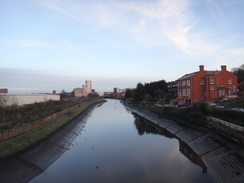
{"x":24,"y":167}
{"x":224,"y":158}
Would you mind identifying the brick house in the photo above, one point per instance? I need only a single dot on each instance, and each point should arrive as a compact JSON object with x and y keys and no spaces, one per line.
{"x":206,"y":85}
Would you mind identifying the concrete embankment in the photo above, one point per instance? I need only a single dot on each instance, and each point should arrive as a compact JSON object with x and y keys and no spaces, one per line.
{"x":224,"y":158}
{"x":24,"y":167}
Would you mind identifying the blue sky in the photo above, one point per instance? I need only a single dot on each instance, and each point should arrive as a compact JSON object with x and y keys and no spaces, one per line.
{"x":58,"y":44}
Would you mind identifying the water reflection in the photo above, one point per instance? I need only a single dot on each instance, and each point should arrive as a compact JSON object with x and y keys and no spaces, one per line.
{"x":116,"y":146}
{"x":191,"y":155}
{"x":145,"y":126}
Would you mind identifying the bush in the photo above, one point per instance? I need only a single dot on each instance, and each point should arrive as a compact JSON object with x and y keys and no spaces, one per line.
{"x":15,"y":115}
{"x":235,"y":117}
{"x":200,"y":107}
{"x":188,"y":116}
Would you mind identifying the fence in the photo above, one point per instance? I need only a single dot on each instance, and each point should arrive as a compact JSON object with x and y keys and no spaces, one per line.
{"x":30,"y":126}
{"x":231,"y":125}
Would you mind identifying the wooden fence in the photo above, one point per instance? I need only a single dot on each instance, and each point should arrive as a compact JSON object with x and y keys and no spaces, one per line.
{"x":33,"y":125}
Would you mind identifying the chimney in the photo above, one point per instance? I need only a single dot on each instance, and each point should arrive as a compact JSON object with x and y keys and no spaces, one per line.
{"x":223,"y":67}
{"x":201,"y":67}
{"x":54,"y":92}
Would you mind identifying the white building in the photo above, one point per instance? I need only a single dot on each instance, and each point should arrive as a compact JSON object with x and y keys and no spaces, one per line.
{"x":27,"y":99}
{"x":84,"y":91}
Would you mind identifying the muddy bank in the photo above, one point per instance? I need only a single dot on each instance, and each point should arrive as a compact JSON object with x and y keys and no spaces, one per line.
{"x":24,"y":167}
{"x":222,"y":157}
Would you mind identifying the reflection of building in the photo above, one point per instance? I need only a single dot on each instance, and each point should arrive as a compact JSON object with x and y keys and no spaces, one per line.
{"x":191,"y":155}
{"x":84,"y":91}
{"x":206,"y":85}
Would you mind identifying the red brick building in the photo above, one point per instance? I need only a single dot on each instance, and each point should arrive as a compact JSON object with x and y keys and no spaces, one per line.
{"x":206,"y":85}
{"x":3,"y":90}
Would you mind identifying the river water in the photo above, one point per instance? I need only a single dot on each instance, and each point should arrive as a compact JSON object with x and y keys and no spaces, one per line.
{"x":118,"y":146}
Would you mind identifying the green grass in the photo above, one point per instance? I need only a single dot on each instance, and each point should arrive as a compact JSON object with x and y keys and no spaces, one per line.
{"x":225,"y":129}
{"x":23,"y":142}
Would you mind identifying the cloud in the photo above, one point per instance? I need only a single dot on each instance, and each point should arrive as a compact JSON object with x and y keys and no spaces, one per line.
{"x":30,"y":43}
{"x":236,"y":52}
{"x":147,"y":22}
{"x":155,"y":23}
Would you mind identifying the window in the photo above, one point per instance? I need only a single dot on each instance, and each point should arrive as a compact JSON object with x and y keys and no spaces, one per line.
{"x":183,"y":83}
{"x":188,"y":82}
{"x":211,"y":81}
{"x":229,"y":81}
{"x":211,"y":88}
{"x":184,"y":92}
{"x":179,"y":92}
{"x":188,"y":92}
{"x":202,"y":81}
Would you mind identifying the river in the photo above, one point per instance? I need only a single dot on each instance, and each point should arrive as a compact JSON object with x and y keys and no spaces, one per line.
{"x":117,"y":146}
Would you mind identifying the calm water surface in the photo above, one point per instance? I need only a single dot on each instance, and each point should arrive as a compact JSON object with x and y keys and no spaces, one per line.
{"x":117,"y":146}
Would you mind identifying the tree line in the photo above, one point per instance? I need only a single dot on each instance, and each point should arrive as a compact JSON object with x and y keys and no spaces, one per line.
{"x":154,"y":91}
{"x":239,"y":72}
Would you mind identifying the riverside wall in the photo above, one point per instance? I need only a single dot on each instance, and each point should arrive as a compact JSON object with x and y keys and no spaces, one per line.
{"x":25,"y":166}
{"x":223,"y":157}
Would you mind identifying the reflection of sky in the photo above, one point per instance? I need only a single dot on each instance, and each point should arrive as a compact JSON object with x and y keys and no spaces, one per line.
{"x":110,"y":150}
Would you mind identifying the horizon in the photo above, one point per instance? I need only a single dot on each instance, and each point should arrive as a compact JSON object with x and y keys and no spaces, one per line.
{"x":56,"y":45}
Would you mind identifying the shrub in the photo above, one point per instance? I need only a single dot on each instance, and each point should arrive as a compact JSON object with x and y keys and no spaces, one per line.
{"x":200,"y":107}
{"x":235,"y":117}
{"x":188,"y":116}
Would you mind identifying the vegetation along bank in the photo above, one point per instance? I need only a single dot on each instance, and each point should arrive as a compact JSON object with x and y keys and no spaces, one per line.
{"x":31,"y":138}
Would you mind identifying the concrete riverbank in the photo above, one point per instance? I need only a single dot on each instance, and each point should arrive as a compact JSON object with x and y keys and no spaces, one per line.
{"x":224,"y":158}
{"x":24,"y":167}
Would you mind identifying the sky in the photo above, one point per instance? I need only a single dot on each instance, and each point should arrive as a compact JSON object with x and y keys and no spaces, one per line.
{"x":50,"y":45}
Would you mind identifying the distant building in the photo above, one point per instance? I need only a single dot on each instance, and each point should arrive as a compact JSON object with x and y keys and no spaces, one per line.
{"x":101,"y":94}
{"x":118,"y":91}
{"x":206,"y":85}
{"x":88,"y":86}
{"x":173,"y":88}
{"x":29,"y":99}
{"x":3,"y":90}
{"x":78,"y":92}
{"x":84,"y":91}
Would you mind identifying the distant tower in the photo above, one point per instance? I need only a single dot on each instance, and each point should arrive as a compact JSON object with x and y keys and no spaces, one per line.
{"x":88,"y":86}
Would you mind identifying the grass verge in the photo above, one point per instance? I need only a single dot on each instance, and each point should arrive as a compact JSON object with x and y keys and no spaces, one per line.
{"x":225,"y":130}
{"x":27,"y":140}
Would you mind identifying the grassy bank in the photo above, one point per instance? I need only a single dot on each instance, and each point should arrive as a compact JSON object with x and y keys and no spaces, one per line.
{"x":31,"y":138}
{"x":225,"y":130}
